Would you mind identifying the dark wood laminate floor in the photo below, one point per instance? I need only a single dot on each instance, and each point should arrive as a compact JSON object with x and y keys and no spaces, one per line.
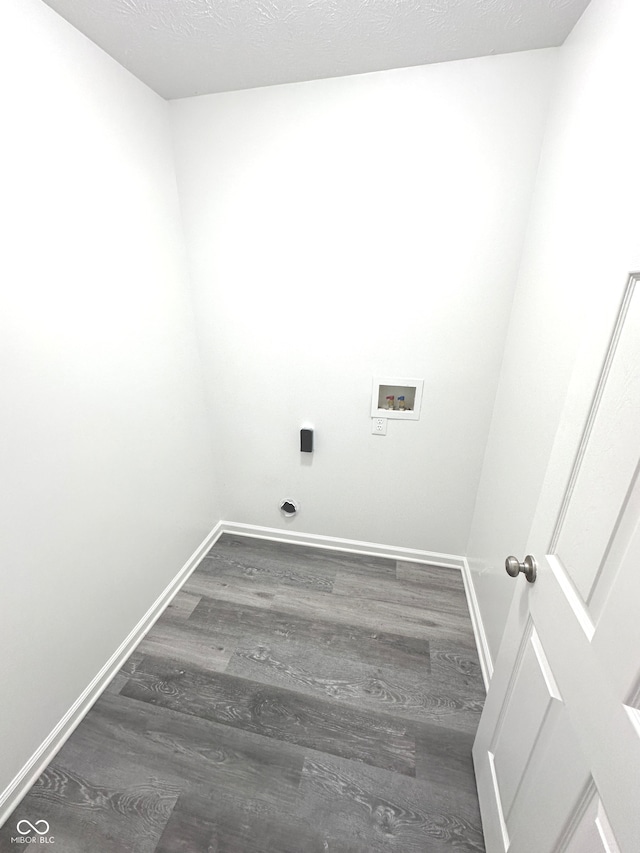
{"x":290,"y":700}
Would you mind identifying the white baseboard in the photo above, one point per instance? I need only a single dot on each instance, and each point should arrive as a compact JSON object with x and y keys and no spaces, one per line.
{"x":20,"y":785}
{"x":482,"y":644}
{"x":354,"y":546}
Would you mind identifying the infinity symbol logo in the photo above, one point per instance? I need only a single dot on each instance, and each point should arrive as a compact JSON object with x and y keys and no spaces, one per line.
{"x":32,"y":827}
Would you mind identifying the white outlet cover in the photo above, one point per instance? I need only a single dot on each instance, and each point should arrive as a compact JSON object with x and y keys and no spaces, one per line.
{"x":378,"y":426}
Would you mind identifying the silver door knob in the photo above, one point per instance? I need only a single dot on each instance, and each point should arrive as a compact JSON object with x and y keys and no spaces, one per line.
{"x":528,"y":567}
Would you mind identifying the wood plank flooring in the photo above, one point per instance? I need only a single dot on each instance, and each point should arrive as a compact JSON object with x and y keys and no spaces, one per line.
{"x":289,"y":700}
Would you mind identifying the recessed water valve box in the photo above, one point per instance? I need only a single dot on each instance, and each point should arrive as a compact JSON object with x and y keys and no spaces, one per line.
{"x":393,"y":397}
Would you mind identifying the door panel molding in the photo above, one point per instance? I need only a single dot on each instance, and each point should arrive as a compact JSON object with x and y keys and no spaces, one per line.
{"x":627,"y":296}
{"x":589,"y":828}
{"x":572,"y":595}
{"x":619,"y":544}
{"x":531,"y":705}
{"x":605,"y":466}
{"x":577,"y":817}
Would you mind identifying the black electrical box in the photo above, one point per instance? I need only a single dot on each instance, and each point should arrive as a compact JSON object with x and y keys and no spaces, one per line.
{"x":306,"y":441}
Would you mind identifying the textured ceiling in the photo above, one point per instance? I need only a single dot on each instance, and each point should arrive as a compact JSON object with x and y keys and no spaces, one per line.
{"x":191,"y":47}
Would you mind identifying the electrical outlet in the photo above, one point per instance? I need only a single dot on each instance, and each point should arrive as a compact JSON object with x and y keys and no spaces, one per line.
{"x":379,"y":426}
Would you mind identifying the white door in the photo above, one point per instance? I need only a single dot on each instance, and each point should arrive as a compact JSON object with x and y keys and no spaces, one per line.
{"x":557,"y":754}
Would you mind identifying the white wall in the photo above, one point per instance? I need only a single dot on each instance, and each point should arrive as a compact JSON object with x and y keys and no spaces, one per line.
{"x":105,"y":460}
{"x":347,"y":228}
{"x":582,"y":242}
